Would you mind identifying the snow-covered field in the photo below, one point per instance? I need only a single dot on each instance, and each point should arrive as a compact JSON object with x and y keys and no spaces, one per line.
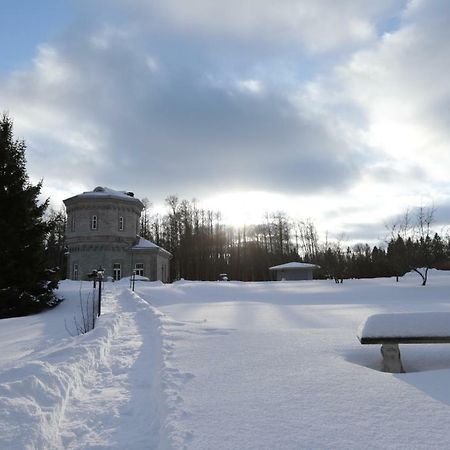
{"x":225,"y":365}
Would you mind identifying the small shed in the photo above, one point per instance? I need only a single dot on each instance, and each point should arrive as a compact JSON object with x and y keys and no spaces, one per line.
{"x":294,"y":271}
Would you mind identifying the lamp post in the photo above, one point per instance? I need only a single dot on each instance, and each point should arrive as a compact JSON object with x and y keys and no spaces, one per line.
{"x":100,"y":273}
{"x":133,"y":278}
{"x":131,"y":270}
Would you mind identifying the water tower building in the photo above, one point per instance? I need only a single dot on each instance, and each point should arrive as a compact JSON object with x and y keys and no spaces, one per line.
{"x":103,"y":231}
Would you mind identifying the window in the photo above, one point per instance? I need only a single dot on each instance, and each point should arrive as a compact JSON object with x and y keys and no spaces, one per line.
{"x":139,"y":269}
{"x":121,"y":224}
{"x":117,"y":272}
{"x":93,"y":222}
{"x":75,"y":272}
{"x":72,"y":223}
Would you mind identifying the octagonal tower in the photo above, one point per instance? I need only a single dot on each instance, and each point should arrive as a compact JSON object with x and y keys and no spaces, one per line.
{"x":102,"y":231}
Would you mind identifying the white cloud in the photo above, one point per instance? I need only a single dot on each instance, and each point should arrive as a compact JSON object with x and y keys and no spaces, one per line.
{"x":319,"y":25}
{"x":250,"y":86}
{"x":393,"y":98}
{"x":403,"y":89}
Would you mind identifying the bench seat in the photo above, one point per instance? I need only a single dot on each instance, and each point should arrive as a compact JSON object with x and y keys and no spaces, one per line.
{"x":405,"y":340}
{"x":390,"y":330}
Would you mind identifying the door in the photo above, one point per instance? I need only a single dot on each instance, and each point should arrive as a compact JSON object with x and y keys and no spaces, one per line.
{"x":117,"y":271}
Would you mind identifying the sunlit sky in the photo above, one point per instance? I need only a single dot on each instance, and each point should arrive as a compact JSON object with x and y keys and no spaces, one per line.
{"x":334,"y":111}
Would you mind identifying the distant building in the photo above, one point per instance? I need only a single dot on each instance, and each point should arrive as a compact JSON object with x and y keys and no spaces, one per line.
{"x":102,"y":231}
{"x":294,"y":271}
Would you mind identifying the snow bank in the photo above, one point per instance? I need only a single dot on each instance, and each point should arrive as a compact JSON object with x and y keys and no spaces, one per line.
{"x":33,"y":396}
{"x":52,"y":396}
{"x":432,"y":324}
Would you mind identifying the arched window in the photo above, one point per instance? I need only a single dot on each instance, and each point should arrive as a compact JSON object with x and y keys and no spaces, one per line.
{"x":94,"y":222}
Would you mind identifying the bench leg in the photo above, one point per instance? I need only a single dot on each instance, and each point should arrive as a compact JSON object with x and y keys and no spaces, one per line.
{"x":391,"y":358}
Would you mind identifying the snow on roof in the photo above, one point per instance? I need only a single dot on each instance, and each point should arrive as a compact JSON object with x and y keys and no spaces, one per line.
{"x":102,"y":191}
{"x":295,"y":265}
{"x":143,"y":244}
{"x":431,"y":324}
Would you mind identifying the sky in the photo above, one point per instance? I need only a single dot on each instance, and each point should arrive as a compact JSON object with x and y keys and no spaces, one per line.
{"x":333,"y":111}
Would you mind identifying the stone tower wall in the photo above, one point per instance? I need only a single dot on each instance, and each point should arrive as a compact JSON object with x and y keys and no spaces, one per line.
{"x":89,"y":248}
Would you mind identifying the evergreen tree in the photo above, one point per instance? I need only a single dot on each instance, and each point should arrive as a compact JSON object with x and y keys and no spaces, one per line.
{"x":398,"y":256}
{"x":26,"y":286}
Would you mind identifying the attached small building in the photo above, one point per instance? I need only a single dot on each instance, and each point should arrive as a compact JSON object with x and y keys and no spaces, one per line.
{"x":294,"y":271}
{"x":102,"y":231}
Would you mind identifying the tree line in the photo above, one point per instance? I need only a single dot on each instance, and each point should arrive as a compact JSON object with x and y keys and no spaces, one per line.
{"x":203,"y":247}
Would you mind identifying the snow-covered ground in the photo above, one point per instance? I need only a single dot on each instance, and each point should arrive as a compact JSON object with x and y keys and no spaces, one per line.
{"x":225,"y":365}
{"x":97,"y":390}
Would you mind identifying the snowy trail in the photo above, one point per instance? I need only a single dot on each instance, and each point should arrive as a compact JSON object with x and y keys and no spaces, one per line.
{"x":117,"y":406}
{"x":102,"y":389}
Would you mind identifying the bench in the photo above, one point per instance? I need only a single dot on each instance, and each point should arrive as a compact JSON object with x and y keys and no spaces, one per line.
{"x":390,"y":330}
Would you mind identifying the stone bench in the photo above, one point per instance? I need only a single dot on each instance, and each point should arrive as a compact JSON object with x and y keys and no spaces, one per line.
{"x":390,"y":330}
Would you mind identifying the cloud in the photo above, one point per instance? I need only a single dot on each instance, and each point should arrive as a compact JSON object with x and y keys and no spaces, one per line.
{"x":104,"y":106}
{"x":319,"y":26}
{"x":401,"y":87}
{"x":349,"y":102}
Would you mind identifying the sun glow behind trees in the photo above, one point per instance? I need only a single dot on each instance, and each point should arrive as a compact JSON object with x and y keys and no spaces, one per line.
{"x":247,"y":208}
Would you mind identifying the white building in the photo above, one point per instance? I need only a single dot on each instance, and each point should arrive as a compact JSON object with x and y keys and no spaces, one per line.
{"x":294,"y":271}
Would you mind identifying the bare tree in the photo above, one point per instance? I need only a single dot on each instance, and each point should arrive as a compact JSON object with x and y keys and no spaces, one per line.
{"x":145,"y":230}
{"x":424,"y":255}
{"x":306,"y":233}
{"x":411,"y":243}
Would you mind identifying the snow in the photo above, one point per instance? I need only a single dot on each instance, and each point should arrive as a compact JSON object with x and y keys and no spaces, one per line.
{"x":144,"y":244}
{"x":102,"y":191}
{"x":430,"y":324}
{"x":101,"y":389}
{"x":294,"y":265}
{"x":213,"y":365}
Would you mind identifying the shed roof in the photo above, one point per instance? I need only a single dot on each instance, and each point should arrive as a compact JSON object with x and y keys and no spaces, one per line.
{"x":295,"y":265}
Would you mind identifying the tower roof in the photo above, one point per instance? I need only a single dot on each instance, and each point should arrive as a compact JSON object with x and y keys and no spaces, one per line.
{"x":106,"y":192}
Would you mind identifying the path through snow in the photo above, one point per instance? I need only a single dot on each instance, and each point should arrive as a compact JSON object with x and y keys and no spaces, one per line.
{"x":117,"y":405}
{"x":98,"y":390}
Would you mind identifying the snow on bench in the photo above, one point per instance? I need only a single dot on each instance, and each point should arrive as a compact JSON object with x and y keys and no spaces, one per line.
{"x":390,"y":330}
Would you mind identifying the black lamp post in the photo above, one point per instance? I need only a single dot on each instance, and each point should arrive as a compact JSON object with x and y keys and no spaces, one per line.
{"x":133,"y":277}
{"x":100,"y":273}
{"x":93,"y":276}
{"x":131,"y":270}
